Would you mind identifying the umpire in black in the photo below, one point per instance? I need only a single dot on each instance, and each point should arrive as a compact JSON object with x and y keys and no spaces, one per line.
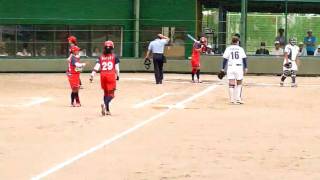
{"x":156,"y":47}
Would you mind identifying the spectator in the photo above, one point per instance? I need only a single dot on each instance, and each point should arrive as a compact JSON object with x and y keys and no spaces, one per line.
{"x":281,"y":37}
{"x":42,"y":51}
{"x":3,"y":49}
{"x":277,"y":51}
{"x":83,"y":52}
{"x":310,"y":42}
{"x":96,"y":52}
{"x":317,"y":52}
{"x":262,"y":50}
{"x":302,"y":50}
{"x":24,"y":51}
{"x":209,"y":50}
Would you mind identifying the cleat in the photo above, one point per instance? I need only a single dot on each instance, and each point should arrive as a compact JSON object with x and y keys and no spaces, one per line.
{"x":281,"y":84}
{"x":192,"y":81}
{"x":294,"y":85}
{"x":199,"y":81}
{"x":103,"y":110}
{"x":239,"y":102}
{"x":108,"y":113}
{"x":77,"y":105}
{"x":72,"y":105}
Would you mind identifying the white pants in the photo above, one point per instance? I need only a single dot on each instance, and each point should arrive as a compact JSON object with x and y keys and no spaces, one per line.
{"x":235,"y":73}
{"x":293,"y":68}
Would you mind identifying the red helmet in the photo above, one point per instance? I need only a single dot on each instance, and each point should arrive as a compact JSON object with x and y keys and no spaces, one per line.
{"x":72,"y":39}
{"x":75,"y":49}
{"x":108,"y":44}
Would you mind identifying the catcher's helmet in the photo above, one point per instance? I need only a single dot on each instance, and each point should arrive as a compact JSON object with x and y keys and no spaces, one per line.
{"x":293,"y":41}
{"x":72,"y":39}
{"x":108,"y":44}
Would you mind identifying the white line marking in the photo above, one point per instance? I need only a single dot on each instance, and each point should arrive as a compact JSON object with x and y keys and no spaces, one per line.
{"x":144,"y":103}
{"x":37,"y":101}
{"x":119,"y":136}
{"x":34,"y":101}
{"x":176,"y":80}
{"x":181,"y":104}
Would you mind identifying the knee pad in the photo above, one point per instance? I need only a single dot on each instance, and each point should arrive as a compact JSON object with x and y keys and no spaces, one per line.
{"x":286,"y":73}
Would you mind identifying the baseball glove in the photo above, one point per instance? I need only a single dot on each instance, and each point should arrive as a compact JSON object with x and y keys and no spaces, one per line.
{"x":147,"y":63}
{"x":221,"y":74}
{"x":288,"y":65}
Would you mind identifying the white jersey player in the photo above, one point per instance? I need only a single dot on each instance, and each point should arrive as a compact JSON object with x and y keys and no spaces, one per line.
{"x":235,"y":63}
{"x":290,"y":63}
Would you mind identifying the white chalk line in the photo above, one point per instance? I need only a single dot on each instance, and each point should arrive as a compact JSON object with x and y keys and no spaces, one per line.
{"x":175,"y":81}
{"x":219,"y":82}
{"x":149,"y":101}
{"x":181,"y":104}
{"x":34,"y":101}
{"x":119,"y":136}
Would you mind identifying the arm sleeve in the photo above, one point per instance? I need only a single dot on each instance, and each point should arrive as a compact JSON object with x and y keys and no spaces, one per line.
{"x":224,"y":63}
{"x":79,"y":65}
{"x":226,"y":54}
{"x":96,"y":67}
{"x":117,"y":67}
{"x":164,"y":41}
{"x":245,"y":64}
{"x":150,"y":47}
{"x":117,"y":59}
{"x":73,"y":61}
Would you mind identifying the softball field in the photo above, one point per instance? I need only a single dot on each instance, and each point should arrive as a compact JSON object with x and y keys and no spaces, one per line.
{"x":174,"y":131}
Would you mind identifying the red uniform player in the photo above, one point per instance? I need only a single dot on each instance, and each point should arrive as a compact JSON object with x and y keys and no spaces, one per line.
{"x":195,"y":60}
{"x":72,"y":40}
{"x":108,"y":63}
{"x":73,"y":73}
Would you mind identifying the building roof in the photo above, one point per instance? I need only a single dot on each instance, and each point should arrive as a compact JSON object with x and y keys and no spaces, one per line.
{"x":267,"y":6}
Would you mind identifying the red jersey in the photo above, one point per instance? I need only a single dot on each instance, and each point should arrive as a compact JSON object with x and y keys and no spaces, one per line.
{"x":195,"y":57}
{"x":107,"y":65}
{"x":108,"y":71}
{"x":72,"y":60}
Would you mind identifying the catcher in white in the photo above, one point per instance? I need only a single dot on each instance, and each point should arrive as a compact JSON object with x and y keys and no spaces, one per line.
{"x":235,"y":61}
{"x":290,"y":63}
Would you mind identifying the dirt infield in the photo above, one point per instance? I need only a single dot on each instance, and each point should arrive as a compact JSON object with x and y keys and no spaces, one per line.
{"x":177,"y":130}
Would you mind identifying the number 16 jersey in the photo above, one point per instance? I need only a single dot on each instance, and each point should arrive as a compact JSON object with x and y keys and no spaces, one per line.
{"x":235,"y":66}
{"x":234,"y":54}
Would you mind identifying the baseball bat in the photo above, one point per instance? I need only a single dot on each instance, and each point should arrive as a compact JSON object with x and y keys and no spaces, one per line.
{"x":192,"y":38}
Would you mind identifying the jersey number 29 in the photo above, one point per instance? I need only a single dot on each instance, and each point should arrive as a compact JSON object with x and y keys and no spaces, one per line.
{"x":107,"y":66}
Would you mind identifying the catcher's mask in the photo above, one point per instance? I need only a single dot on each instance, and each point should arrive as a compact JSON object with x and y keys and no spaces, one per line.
{"x":147,"y":63}
{"x":293,"y":41}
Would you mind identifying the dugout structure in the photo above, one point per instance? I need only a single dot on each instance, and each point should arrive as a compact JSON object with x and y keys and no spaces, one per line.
{"x":131,"y":24}
{"x":261,"y":6}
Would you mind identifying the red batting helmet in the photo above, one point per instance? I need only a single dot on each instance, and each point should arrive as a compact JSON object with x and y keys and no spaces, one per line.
{"x":75,"y":49}
{"x":108,"y":44}
{"x":72,"y":39}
